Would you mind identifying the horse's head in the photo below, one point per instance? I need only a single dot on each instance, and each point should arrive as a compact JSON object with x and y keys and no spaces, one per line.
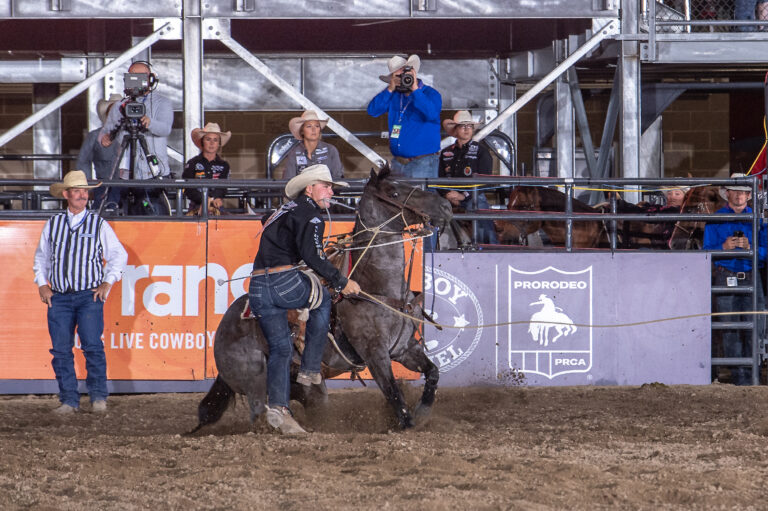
{"x":400,"y":204}
{"x":521,"y":198}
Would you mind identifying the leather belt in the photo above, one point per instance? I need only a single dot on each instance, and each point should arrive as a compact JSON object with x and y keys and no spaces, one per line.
{"x":406,"y":161}
{"x":274,"y":269}
{"x":740,"y":275}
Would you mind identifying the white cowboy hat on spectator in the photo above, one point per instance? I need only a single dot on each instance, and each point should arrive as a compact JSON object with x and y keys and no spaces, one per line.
{"x":397,"y":62}
{"x":73,"y":179}
{"x":295,"y":124}
{"x":742,"y":188}
{"x":102,"y":106}
{"x":309,"y":176}
{"x":461,"y":117}
{"x":211,"y":127}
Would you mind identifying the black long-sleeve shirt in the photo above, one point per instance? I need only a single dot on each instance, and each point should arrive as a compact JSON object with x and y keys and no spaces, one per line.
{"x":200,"y":168}
{"x":463,"y":161}
{"x":295,"y":235}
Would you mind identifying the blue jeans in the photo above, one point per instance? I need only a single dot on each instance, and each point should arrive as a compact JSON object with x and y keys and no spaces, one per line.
{"x":270,"y":297}
{"x":738,"y":343}
{"x":745,"y":10}
{"x":67,"y":311}
{"x":486,"y":233}
{"x":423,"y":167}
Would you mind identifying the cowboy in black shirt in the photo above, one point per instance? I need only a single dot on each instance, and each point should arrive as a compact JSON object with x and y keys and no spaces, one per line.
{"x":207,"y":165}
{"x":464,"y":158}
{"x":292,"y":234}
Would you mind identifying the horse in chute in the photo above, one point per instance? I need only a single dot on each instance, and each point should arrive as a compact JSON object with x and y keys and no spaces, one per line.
{"x":632,"y":234}
{"x":367,"y":333}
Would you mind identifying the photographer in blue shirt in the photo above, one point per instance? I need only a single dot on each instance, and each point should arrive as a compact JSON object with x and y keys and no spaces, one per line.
{"x":413,"y":117}
{"x":736,"y":235}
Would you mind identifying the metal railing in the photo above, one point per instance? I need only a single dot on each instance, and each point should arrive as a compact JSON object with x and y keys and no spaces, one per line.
{"x":271,"y":191}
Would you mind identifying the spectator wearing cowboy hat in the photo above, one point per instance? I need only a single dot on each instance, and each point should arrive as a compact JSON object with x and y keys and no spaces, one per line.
{"x":75,"y":293}
{"x":735,"y":272}
{"x":465,"y":158}
{"x":207,"y":165}
{"x":292,"y":234}
{"x":413,"y":118}
{"x":310,"y":150}
{"x":95,"y":158}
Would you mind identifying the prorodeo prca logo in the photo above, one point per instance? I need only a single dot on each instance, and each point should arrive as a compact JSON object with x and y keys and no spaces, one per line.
{"x":455,"y":305}
{"x":553,"y":301}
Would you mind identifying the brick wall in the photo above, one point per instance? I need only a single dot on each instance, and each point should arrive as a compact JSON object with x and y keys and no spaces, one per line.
{"x":696,"y":134}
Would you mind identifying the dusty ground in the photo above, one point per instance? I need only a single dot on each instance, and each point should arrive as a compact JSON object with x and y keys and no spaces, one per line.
{"x":653,"y":447}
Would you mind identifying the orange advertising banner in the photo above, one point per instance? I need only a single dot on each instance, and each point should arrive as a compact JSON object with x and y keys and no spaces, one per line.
{"x":160,"y":320}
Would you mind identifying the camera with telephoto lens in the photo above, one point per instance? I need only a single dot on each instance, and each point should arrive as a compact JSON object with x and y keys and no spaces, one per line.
{"x":406,"y":80}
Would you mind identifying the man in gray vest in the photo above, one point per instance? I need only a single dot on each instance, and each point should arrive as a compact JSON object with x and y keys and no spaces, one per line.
{"x":74,"y":283}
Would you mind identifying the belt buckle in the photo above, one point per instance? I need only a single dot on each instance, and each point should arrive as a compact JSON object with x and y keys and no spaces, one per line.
{"x":741,"y":275}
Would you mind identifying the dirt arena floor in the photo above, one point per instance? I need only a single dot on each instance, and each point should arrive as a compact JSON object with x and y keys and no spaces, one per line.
{"x":650,"y":447}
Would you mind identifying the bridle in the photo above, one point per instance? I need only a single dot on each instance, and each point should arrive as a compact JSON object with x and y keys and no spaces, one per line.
{"x":402,"y":206}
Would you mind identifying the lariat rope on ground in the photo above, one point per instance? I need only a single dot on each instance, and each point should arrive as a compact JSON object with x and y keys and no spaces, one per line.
{"x":583,"y":325}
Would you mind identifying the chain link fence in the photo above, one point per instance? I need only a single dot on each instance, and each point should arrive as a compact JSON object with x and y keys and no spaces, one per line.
{"x":712,"y":10}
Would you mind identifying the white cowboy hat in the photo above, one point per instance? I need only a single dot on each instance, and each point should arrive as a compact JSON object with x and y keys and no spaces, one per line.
{"x":73,"y":179}
{"x":295,"y":124}
{"x":742,"y":188}
{"x":211,"y":127}
{"x":309,"y":176}
{"x":461,"y":117}
{"x":102,"y":106}
{"x":397,"y":62}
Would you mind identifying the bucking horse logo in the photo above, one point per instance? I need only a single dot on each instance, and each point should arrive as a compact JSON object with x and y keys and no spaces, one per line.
{"x":550,"y":316}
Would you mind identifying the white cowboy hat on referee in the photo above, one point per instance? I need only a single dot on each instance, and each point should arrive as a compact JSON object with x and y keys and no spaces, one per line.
{"x":295,"y":124}
{"x":397,"y":62}
{"x":309,"y":176}
{"x":210,"y":128}
{"x":459,"y":118}
{"x":73,"y":179}
{"x":102,"y":106}
{"x":742,"y":188}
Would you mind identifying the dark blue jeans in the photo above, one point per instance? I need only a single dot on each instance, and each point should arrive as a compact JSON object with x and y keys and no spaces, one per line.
{"x":423,"y":167}
{"x":67,"y":311}
{"x":270,"y":297}
{"x":738,"y":343}
{"x":745,"y":10}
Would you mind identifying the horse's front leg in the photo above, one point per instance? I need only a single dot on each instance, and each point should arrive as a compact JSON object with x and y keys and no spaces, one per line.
{"x":380,"y":366}
{"x":415,"y":359}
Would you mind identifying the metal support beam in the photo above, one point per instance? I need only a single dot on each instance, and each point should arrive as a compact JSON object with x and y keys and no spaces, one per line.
{"x":80,"y":87}
{"x":609,"y":30}
{"x":297,"y":96}
{"x":629,"y":63}
{"x":606,"y":140}
{"x":192,"y":71}
{"x":47,"y":133}
{"x":582,"y":123}
{"x":565,"y":140}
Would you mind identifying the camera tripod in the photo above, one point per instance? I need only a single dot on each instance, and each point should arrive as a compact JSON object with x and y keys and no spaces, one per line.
{"x":136,"y":201}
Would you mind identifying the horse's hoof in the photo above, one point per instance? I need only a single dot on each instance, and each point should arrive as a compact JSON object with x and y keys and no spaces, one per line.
{"x":422,"y":412}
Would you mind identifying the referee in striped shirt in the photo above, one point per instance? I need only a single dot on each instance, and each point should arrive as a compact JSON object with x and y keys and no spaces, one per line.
{"x":74,"y":282}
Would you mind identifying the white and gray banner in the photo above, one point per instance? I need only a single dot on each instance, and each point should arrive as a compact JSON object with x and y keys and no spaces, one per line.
{"x":544,"y":315}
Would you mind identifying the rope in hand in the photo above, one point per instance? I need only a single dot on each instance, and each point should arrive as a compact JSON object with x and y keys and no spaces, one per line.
{"x":583,"y":325}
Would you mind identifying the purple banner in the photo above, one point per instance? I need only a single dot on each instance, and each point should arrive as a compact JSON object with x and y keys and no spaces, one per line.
{"x":547,"y":316}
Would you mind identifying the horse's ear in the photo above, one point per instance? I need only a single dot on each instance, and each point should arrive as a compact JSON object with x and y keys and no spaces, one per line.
{"x":385,"y":171}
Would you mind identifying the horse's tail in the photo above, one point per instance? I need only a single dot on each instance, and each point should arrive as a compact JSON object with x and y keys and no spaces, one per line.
{"x":214,"y":404}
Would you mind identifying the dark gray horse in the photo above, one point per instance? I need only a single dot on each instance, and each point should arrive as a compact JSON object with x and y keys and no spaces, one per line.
{"x":368,"y":333}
